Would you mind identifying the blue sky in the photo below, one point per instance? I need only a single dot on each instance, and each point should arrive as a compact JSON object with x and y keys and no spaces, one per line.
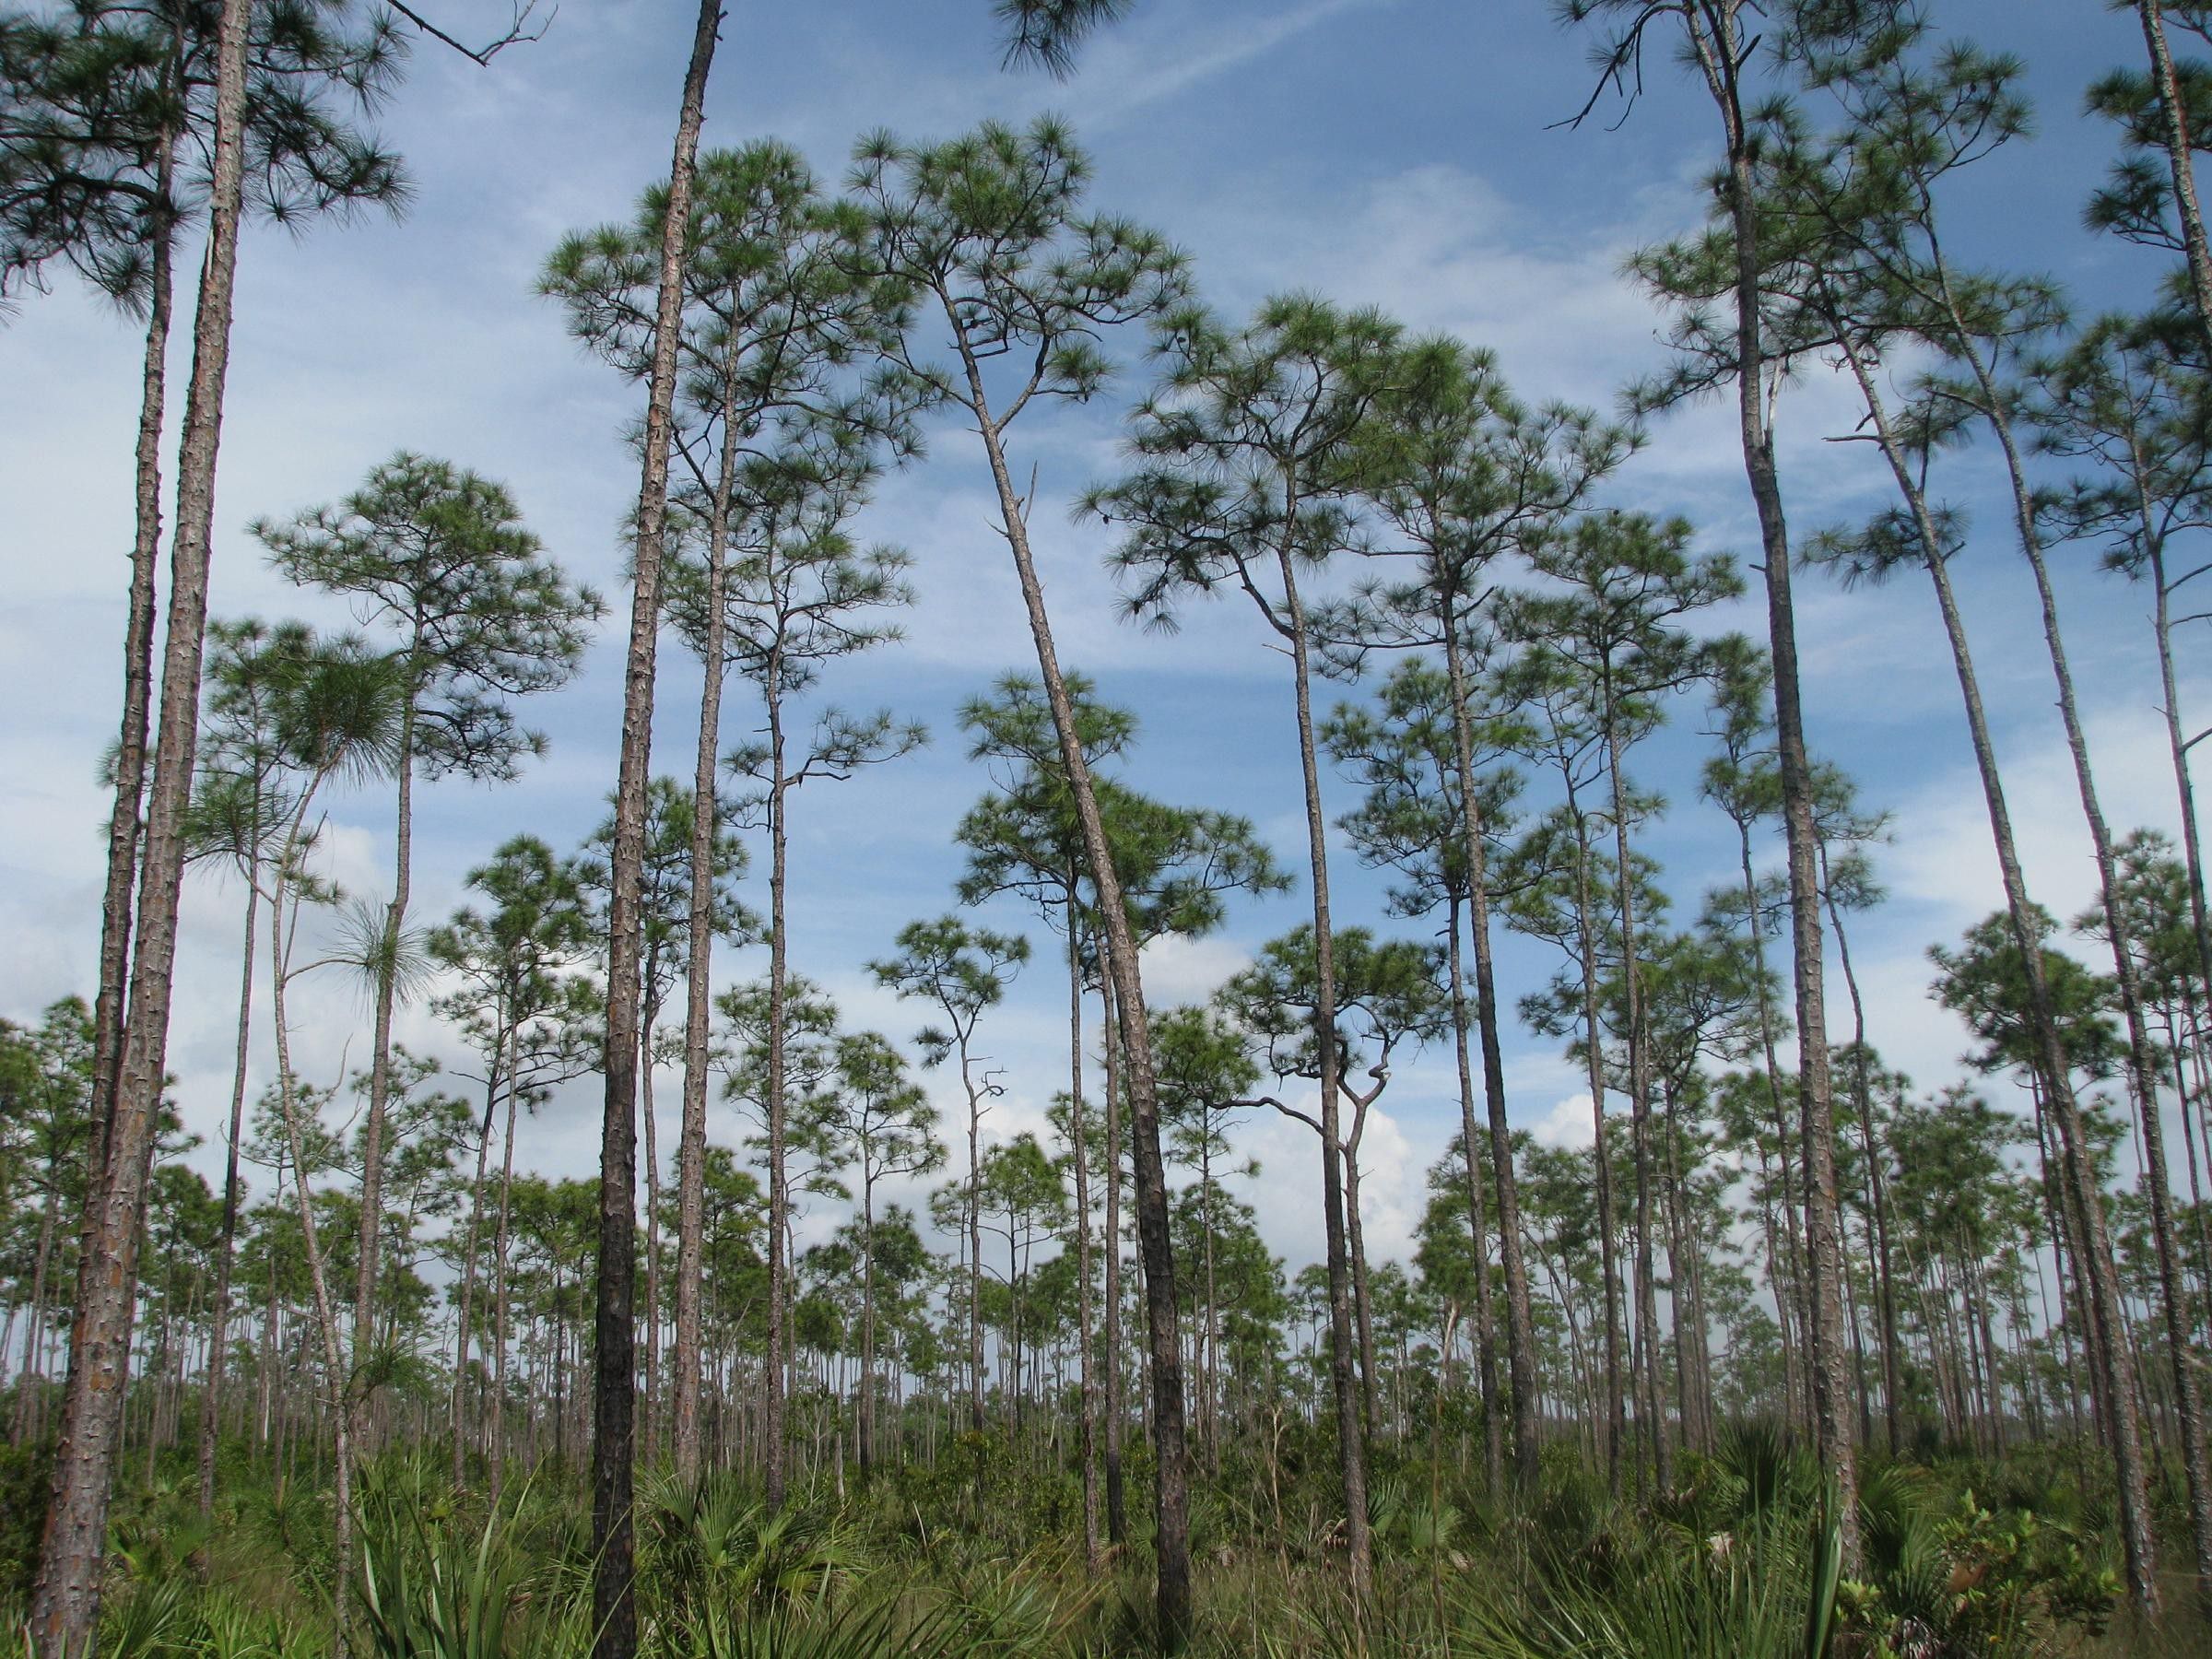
{"x":1400,"y":153}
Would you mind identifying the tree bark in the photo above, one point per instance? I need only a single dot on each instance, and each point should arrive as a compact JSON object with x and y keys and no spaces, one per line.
{"x":218,"y":1329}
{"x":613,"y":1603}
{"x":1720,"y":55}
{"x":1612,"y":1422}
{"x":2180,"y":161}
{"x":1519,"y":1320}
{"x":380,"y":1070}
{"x":2142,"y":1071}
{"x":1484,"y":1325}
{"x":1087,"y":1439}
{"x":66,"y":1599}
{"x":773,"y":1399}
{"x":1170,"y":1486}
{"x":2117,"y":1379}
{"x":691,"y":1147}
{"x":1639,"y":1108}
{"x":1351,"y":1453}
{"x":1878,"y":1196}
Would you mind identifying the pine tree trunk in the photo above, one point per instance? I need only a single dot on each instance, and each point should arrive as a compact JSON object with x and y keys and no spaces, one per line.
{"x":1486,"y":1336}
{"x":1519,"y":1320}
{"x":613,"y":1603}
{"x":1613,"y":1427}
{"x":66,"y":1599}
{"x":1877,"y":1199}
{"x":218,"y":1332}
{"x":1117,"y":1515}
{"x":336,"y":1386}
{"x":465,"y":1310}
{"x":1639,"y":1107}
{"x":495,"y":1419}
{"x":649,"y":1410}
{"x":1170,"y":1483}
{"x":779,"y":1354}
{"x":691,"y":1147}
{"x":2118,"y":1387}
{"x":1087,"y":1439}
{"x":2142,"y":1071}
{"x":1720,"y":58}
{"x":1351,"y":1448}
{"x":1363,"y":1313}
{"x":380,"y":1076}
{"x":109,"y":1006}
{"x":2180,"y":160}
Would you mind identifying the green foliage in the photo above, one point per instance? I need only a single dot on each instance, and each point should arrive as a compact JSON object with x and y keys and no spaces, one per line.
{"x":432,"y":1588}
{"x":25,"y":1478}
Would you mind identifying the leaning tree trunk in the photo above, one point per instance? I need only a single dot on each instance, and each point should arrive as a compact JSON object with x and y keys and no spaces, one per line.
{"x":2142,"y":1071}
{"x":614,"y":1602}
{"x":2180,"y":161}
{"x":1519,"y":1320}
{"x":1170,"y":1498}
{"x":65,"y":1600}
{"x":2115,"y":1373}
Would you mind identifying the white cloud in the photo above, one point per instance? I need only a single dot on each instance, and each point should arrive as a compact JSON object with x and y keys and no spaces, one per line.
{"x":1569,"y":1124}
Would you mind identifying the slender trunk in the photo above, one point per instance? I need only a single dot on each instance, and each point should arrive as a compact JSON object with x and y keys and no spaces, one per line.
{"x":109,"y":1007}
{"x":613,"y":1603}
{"x":465,"y":1312}
{"x":1117,"y":1516}
{"x":219,"y":1331}
{"x":1170,"y":1486}
{"x":691,"y":1147}
{"x":1355,"y":1239}
{"x":66,"y":1599}
{"x":1351,"y":1451}
{"x":1613,"y":1427}
{"x":1486,"y":1336}
{"x":649,"y":1426}
{"x":1087,"y":1439}
{"x":1789,"y":1279}
{"x":337,"y":1384}
{"x":2108,"y":1336}
{"x":2142,"y":1071}
{"x":1878,"y":1198}
{"x":2180,"y":160}
{"x":864,"y":1417}
{"x":379,"y":1077}
{"x":1520,"y":1342}
{"x":1721,"y":57}
{"x":975,"y":1248}
{"x":35,"y":1335}
{"x":778,"y":1201}
{"x":496,"y":1419}
{"x":1639,"y":1108}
